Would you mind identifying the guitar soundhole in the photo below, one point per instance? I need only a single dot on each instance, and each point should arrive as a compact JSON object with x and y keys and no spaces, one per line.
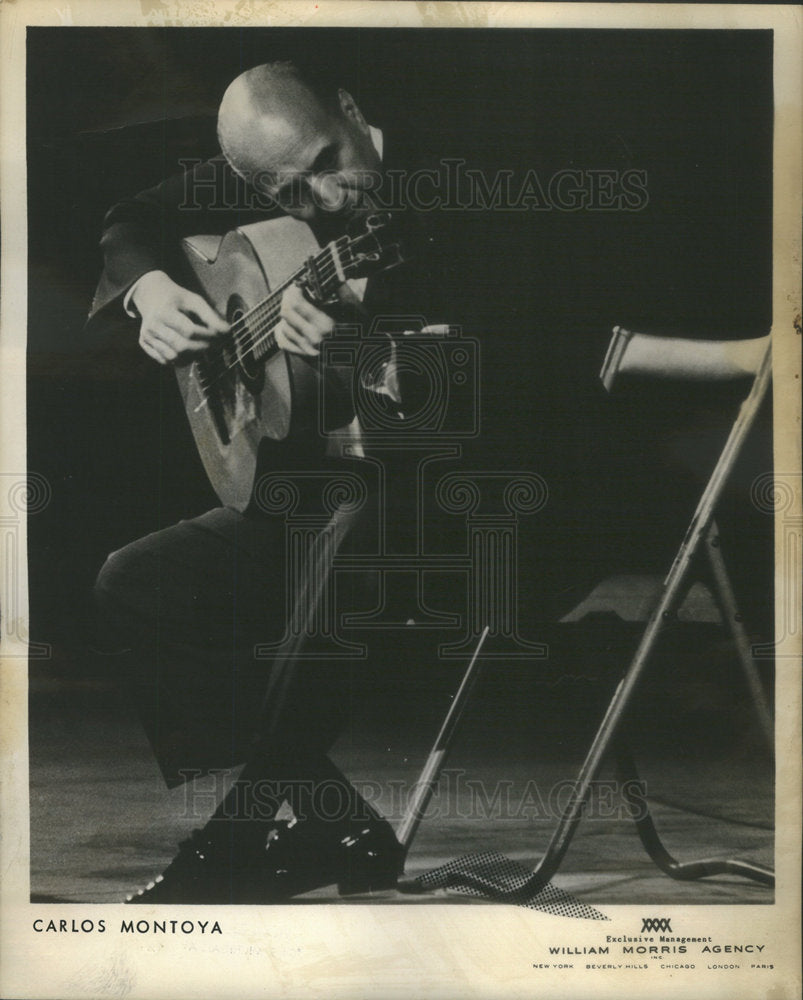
{"x":252,"y":370}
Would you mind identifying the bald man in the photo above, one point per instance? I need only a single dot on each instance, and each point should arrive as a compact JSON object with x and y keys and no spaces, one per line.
{"x":312,"y":159}
{"x":188,"y":603}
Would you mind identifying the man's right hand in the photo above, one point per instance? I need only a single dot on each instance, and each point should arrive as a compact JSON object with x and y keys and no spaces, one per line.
{"x":176,"y":324}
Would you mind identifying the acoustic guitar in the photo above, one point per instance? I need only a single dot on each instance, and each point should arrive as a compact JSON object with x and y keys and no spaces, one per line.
{"x":243,"y":389}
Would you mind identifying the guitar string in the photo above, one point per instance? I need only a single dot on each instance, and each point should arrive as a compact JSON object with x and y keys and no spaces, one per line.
{"x":262,"y":320}
{"x":245,"y":324}
{"x":241,"y":325}
{"x":342,"y":248}
{"x":253,"y":323}
{"x":249,"y":333}
{"x":268,"y":306}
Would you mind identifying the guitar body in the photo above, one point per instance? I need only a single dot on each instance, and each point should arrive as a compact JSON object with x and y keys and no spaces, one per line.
{"x":249,"y":400}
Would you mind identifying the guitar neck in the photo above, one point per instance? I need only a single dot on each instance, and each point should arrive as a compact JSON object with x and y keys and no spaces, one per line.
{"x":321,"y":275}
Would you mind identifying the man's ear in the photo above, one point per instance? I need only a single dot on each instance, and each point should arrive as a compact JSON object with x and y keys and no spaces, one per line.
{"x":349,"y":108}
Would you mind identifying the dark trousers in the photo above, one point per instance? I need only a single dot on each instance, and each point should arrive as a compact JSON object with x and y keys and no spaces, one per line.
{"x":189,"y":605}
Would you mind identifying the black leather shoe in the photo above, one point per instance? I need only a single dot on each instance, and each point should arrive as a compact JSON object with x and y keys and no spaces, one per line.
{"x":206,"y":869}
{"x":292,"y":858}
{"x":304,"y":856}
{"x":370,"y":858}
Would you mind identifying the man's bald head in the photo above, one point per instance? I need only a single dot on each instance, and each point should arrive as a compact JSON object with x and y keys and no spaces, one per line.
{"x":269,"y":95}
{"x":281,"y":129}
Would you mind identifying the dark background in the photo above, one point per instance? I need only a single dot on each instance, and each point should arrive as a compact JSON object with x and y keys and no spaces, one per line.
{"x":111,"y":111}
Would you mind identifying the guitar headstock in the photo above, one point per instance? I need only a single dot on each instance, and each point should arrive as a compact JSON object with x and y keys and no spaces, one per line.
{"x":373,"y":248}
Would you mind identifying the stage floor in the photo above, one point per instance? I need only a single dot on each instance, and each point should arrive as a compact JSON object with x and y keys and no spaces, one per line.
{"x":103,"y":824}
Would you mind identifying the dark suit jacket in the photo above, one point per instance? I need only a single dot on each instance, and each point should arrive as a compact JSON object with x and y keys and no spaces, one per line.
{"x":143,"y":233}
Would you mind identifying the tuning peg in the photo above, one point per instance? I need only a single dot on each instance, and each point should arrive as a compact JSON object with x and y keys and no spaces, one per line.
{"x":377,"y":220}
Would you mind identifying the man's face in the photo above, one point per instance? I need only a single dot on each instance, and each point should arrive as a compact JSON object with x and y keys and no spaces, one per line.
{"x":317,"y":165}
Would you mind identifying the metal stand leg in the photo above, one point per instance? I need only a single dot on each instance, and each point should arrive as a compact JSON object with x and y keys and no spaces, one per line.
{"x":685,"y":871}
{"x":672,"y":593}
{"x":437,"y":757}
{"x":608,"y":735}
{"x":732,"y":620}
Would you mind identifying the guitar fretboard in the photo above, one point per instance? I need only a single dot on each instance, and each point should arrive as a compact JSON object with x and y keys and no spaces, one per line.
{"x":253,"y":335}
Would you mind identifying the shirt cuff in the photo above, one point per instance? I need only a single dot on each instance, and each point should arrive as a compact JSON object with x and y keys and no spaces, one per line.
{"x":128,"y":306}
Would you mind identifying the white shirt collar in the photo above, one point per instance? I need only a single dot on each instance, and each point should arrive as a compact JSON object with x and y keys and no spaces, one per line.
{"x":377,"y":139}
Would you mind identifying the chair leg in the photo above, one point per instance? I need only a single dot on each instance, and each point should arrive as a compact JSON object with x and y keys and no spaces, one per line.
{"x":685,"y":871}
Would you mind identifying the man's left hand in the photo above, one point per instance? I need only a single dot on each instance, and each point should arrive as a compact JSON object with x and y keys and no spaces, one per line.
{"x":303,"y":325}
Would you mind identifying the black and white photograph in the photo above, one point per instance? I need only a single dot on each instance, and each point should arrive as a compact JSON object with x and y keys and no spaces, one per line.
{"x":409,"y":528}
